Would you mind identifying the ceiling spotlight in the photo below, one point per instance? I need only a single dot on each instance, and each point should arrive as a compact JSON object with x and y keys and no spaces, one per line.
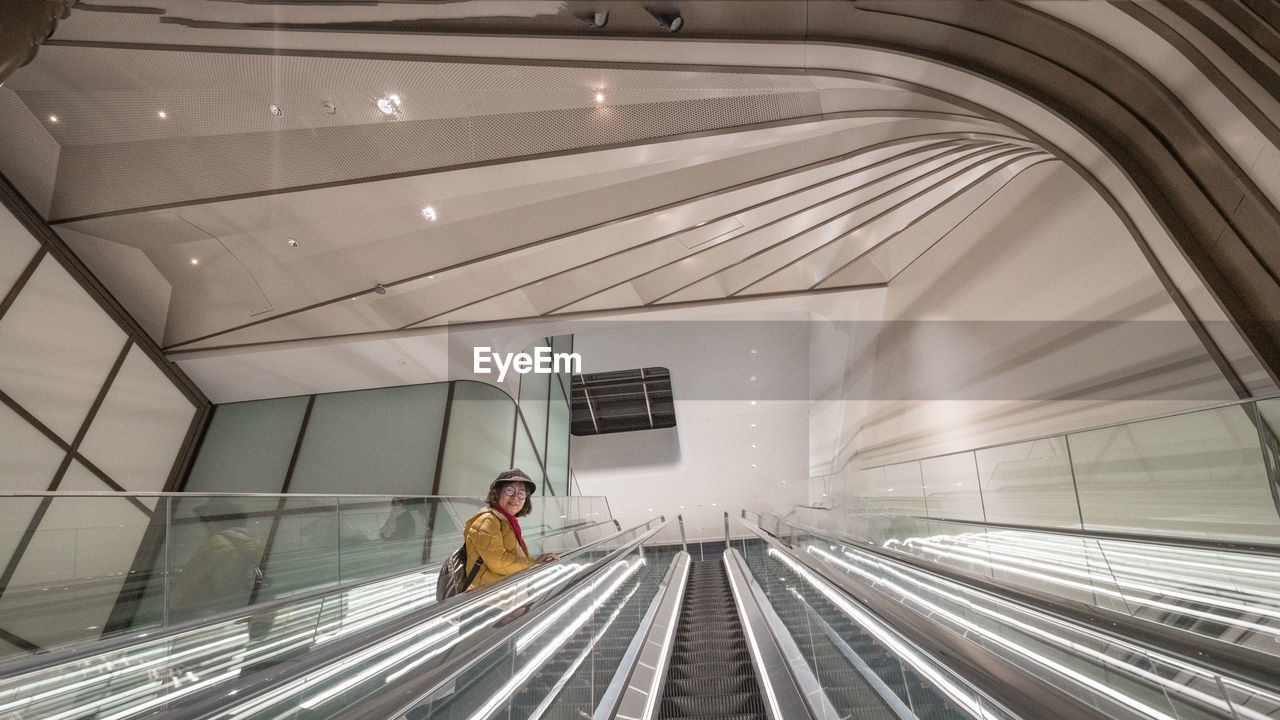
{"x":329,"y":107}
{"x":384,"y":104}
{"x":275,"y":110}
{"x":195,"y":261}
{"x":293,"y":243}
{"x":53,"y":118}
{"x":429,"y":213}
{"x":595,"y":20}
{"x":670,"y":21}
{"x":599,"y":97}
{"x":162,"y":114}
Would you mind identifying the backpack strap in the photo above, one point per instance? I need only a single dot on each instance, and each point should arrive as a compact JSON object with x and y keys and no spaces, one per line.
{"x":475,"y":569}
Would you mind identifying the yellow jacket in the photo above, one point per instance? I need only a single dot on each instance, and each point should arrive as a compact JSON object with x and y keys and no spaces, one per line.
{"x":488,"y":535}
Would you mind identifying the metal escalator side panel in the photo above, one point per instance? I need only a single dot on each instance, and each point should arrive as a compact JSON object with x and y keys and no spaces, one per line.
{"x":643,"y":691}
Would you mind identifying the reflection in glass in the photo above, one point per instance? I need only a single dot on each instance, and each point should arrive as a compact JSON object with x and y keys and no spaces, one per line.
{"x":1193,"y":475}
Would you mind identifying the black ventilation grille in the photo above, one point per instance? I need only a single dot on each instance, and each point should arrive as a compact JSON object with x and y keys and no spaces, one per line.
{"x":622,"y":401}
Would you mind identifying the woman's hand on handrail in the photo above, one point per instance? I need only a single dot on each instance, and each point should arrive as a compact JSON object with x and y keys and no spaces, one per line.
{"x":548,"y":558}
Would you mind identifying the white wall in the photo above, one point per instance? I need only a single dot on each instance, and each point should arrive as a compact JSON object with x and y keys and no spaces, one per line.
{"x":1030,"y":298}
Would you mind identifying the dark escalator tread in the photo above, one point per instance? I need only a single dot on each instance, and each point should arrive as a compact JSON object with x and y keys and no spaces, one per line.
{"x":710,"y":674}
{"x":712,"y":669}
{"x":743,"y":716}
{"x":748,"y":703}
{"x":721,"y":685}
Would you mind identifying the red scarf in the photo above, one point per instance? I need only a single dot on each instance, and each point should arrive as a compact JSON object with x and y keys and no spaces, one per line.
{"x":515,"y":525}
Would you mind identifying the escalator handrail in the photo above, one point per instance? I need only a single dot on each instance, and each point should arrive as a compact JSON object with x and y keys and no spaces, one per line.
{"x":219,"y":699}
{"x":1004,"y":683}
{"x":1212,"y":655}
{"x":25,"y":664}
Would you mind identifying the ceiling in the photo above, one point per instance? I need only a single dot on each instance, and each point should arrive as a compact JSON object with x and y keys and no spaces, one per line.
{"x":307,"y":197}
{"x":232,"y":196}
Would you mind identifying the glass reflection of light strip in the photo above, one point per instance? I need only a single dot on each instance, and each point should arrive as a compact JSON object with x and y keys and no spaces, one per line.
{"x":963,"y":697}
{"x":1184,"y":557}
{"x":536,"y":631}
{"x":1017,"y":566}
{"x":540,"y":582}
{"x":111,"y":677}
{"x":1047,"y":662}
{"x":1124,"y":555}
{"x":396,"y":658}
{"x":1177,"y":588}
{"x":1010,"y":563}
{"x":534,"y":663}
{"x":582,"y":656}
{"x":169,"y":697}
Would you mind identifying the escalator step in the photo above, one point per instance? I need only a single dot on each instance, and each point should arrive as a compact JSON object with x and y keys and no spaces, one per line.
{"x":711,"y":669}
{"x":683,"y":657}
{"x":748,"y":703}
{"x":729,"y":685}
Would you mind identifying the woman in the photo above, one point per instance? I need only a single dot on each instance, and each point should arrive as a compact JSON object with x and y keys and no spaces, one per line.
{"x":493,"y":534}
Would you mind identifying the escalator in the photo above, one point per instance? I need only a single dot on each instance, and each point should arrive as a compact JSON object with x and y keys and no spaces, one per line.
{"x":710,"y":674}
{"x":629,"y":628}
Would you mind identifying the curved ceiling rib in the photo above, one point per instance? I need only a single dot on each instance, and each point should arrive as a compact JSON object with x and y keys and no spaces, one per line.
{"x":1195,"y":183}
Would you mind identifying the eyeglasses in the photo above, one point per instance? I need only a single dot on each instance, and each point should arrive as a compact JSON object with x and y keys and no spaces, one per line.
{"x":512,"y":492}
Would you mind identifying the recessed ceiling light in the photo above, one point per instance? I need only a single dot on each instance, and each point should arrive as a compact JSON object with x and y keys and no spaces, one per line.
{"x":162,"y":114}
{"x":753,"y":444}
{"x":753,"y":351}
{"x":753,"y":402}
{"x":329,"y":107}
{"x":293,"y":243}
{"x":53,"y":118}
{"x":753,"y":464}
{"x":753,"y":378}
{"x":195,"y":261}
{"x":753,"y":424}
{"x":389,"y":104}
{"x":599,"y":97}
{"x":429,"y":213}
{"x":275,"y":110}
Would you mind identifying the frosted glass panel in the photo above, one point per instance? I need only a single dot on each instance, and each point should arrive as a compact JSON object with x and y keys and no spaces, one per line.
{"x":84,"y":548}
{"x":478,"y":445}
{"x":951,"y":487}
{"x":17,"y":247}
{"x":525,"y":459}
{"x":1029,"y":484}
{"x":1270,"y":411}
{"x":1195,"y":475}
{"x":15,"y":517}
{"x":383,"y":441}
{"x":248,"y":446}
{"x":56,"y":348}
{"x":901,"y":490}
{"x":140,"y":426}
{"x":30,"y":458}
{"x":558,"y":443}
